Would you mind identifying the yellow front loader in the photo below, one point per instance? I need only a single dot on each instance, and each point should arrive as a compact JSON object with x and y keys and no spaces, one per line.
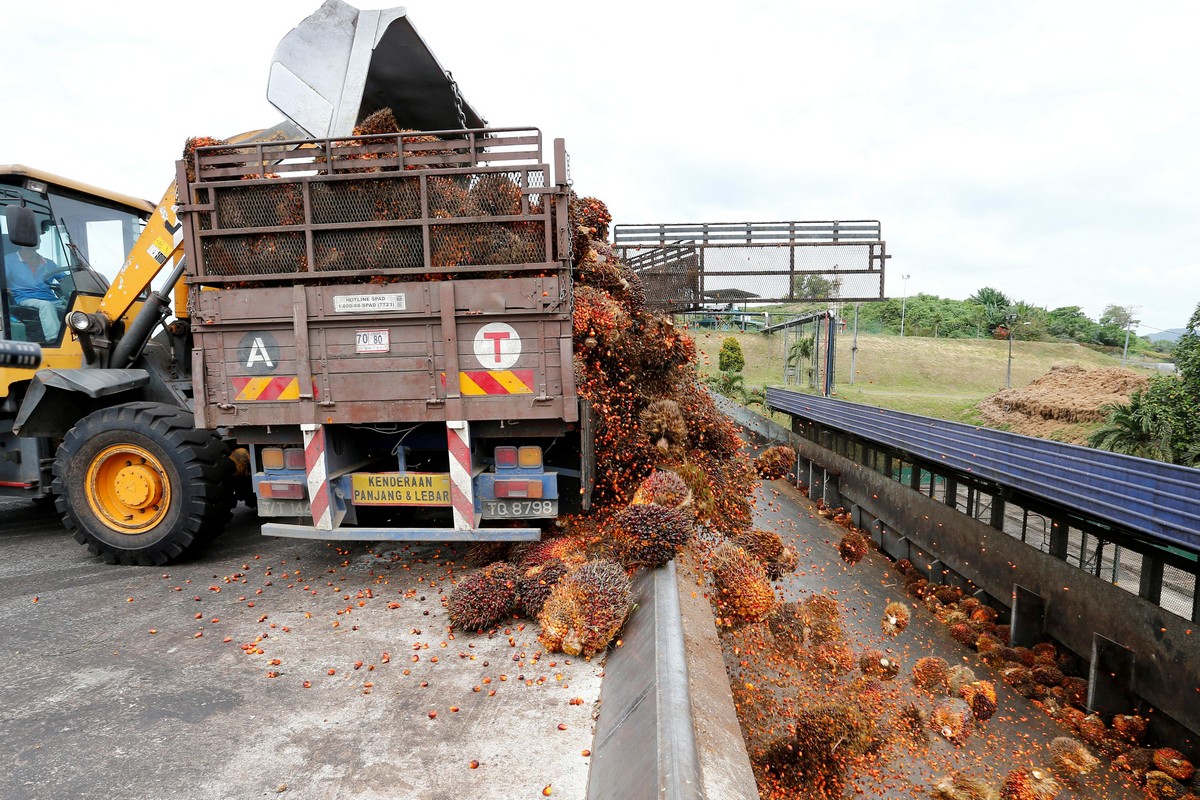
{"x":104,"y":427}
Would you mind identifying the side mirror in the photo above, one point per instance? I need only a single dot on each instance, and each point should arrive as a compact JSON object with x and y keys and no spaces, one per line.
{"x":22,"y":226}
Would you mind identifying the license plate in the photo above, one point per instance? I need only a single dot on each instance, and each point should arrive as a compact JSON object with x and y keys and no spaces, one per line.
{"x":519,"y":509}
{"x":371,"y":341}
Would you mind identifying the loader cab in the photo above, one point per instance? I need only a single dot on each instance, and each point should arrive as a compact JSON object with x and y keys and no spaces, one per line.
{"x":82,"y":235}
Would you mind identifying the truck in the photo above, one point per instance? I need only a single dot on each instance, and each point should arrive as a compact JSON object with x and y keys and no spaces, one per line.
{"x":384,"y":323}
{"x":106,"y":427}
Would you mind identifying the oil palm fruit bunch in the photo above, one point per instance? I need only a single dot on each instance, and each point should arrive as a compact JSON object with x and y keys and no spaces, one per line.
{"x":853,"y":547}
{"x":598,"y":320}
{"x":586,"y":609}
{"x":960,"y":786}
{"x":744,"y":594}
{"x":483,"y":598}
{"x":776,"y":461}
{"x":663,"y":424}
{"x":1071,"y":757}
{"x":651,"y":535}
{"x":953,"y":720}
{"x":895,"y":618}
{"x":1034,"y":783}
{"x":665,"y":488}
{"x":930,"y":673}
{"x":536,"y":583}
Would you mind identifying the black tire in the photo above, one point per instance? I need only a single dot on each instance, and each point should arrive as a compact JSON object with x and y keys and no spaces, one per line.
{"x":138,"y":484}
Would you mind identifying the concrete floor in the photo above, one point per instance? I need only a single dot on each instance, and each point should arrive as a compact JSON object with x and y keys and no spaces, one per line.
{"x":238,"y":675}
{"x":1017,"y":735}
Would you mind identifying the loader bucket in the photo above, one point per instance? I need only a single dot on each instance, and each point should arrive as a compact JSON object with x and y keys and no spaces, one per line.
{"x":341,"y":64}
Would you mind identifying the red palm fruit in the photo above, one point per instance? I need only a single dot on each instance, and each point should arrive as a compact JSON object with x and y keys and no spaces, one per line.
{"x":958,"y":677}
{"x":663,"y":425}
{"x":786,"y":624}
{"x":1071,"y":757}
{"x":1092,"y":729}
{"x":1173,"y":763}
{"x":1130,"y":727}
{"x":895,"y":618}
{"x":597,"y":320}
{"x":822,"y":620}
{"x":853,"y":547}
{"x":948,"y":595}
{"x":1077,"y":689}
{"x":568,"y":549}
{"x":913,"y":724}
{"x":1045,"y":651}
{"x":586,"y":609}
{"x":930,"y":673}
{"x":665,"y":488}
{"x":960,"y":786}
{"x":952,"y":719}
{"x":984,"y":614}
{"x":480,"y":554}
{"x":1161,"y":786}
{"x":775,"y":462}
{"x":785,"y":563}
{"x":744,"y":592}
{"x":1047,"y":675}
{"x":536,"y":583}
{"x":965,"y":633}
{"x":875,"y":664}
{"x":837,"y":657}
{"x":1137,"y":762}
{"x":762,"y":544}
{"x":1025,"y":656}
{"x":651,"y":534}
{"x":483,"y":598}
{"x":1029,"y":784}
{"x":981,"y":696}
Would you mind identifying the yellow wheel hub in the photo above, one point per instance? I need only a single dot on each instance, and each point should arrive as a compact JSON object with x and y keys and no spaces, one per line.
{"x":128,"y":488}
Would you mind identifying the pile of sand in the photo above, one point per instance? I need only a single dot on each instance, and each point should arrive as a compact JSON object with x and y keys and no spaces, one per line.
{"x":1058,"y":404}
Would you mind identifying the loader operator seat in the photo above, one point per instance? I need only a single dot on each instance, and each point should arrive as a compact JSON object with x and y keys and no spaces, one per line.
{"x":24,"y":322}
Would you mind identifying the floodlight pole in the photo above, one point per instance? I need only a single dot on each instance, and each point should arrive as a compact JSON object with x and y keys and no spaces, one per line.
{"x":1010,"y":319}
{"x":854,"y":346}
{"x":903,"y":301}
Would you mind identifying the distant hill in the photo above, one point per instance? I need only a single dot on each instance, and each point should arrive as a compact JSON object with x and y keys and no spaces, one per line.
{"x":1169,"y":336}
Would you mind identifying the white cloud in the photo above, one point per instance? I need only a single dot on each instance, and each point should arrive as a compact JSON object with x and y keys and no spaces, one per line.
{"x":1045,"y":148}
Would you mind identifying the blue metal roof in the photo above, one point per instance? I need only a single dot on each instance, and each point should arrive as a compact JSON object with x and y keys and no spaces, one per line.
{"x":1153,"y":498}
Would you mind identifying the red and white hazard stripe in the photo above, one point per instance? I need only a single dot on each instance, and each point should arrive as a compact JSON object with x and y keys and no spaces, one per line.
{"x":319,"y":491}
{"x":462,"y":496}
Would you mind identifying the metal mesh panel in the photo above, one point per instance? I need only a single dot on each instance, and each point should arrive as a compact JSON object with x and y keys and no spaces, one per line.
{"x":365,"y":200}
{"x":259,"y":206}
{"x":687,"y":266}
{"x":1178,"y":591}
{"x":367,"y":250}
{"x":257,"y":254}
{"x":472,"y":244}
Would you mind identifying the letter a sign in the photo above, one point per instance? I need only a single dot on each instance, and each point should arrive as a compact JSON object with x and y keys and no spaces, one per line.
{"x":258,"y":353}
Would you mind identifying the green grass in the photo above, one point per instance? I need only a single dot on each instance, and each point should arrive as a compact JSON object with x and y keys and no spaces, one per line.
{"x":943,"y":378}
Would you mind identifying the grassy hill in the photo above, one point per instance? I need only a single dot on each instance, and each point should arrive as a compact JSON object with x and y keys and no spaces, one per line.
{"x":944,"y":378}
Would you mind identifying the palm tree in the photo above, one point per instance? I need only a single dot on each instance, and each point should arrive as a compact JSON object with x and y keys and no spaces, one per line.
{"x":995,"y":305}
{"x":1132,"y":429}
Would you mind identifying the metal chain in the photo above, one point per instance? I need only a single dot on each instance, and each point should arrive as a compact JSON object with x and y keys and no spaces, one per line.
{"x":458,"y":101}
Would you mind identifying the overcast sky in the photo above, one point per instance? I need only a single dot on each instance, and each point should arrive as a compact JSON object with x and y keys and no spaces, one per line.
{"x":1046,"y":149}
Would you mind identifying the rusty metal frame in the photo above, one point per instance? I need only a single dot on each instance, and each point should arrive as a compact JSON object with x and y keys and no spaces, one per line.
{"x":671,"y":258}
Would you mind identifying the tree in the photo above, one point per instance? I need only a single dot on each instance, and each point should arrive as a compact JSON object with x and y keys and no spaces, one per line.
{"x":994,"y":304}
{"x":1134,"y":429}
{"x":1163,"y":421}
{"x":815,"y":287}
{"x":731,"y":358}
